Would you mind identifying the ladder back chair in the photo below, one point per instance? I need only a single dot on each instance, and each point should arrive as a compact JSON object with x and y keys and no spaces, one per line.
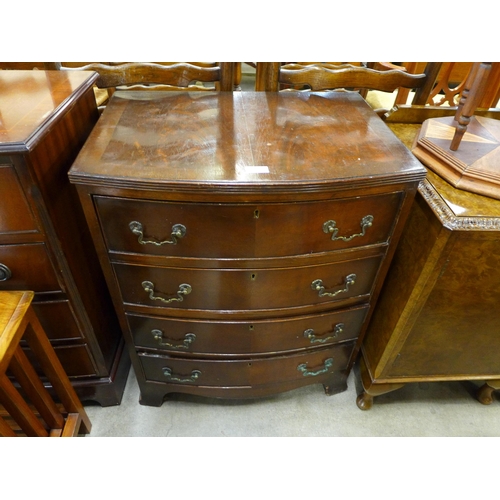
{"x":196,"y":76}
{"x":327,"y":76}
{"x":451,"y":82}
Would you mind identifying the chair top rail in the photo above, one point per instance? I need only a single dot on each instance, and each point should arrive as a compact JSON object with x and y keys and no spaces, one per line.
{"x":327,"y":76}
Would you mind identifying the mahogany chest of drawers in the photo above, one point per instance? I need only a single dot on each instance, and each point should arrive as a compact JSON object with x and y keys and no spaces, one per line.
{"x":244,"y":236}
{"x":45,"y":246}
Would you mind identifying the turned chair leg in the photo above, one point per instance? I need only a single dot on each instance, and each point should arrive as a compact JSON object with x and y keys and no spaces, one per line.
{"x":472,"y":94}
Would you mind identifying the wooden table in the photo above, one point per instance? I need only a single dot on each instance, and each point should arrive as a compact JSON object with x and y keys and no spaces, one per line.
{"x":244,"y":236}
{"x":45,"y":117}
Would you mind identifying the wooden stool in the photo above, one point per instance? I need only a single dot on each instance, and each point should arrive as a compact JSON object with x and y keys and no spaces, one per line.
{"x":41,"y":416}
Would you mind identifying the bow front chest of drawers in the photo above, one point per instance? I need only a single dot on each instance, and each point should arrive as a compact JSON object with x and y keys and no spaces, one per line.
{"x":244,"y":236}
{"x":45,"y":246}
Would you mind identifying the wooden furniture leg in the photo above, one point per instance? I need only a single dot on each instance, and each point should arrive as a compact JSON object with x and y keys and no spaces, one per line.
{"x":41,"y":416}
{"x":371,"y":389}
{"x":485,"y":392}
{"x":474,"y":90}
{"x":337,"y":384}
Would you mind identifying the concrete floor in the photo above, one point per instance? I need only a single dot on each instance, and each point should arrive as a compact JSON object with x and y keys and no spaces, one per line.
{"x":436,"y":409}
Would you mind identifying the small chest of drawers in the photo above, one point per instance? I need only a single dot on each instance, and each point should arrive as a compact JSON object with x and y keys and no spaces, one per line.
{"x":45,"y":247}
{"x":244,"y":236}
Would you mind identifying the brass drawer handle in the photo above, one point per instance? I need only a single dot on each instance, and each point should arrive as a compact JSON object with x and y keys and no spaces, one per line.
{"x":309,"y":334}
{"x":184,"y":289}
{"x":5,"y":273}
{"x":330,"y":227}
{"x":318,"y":286}
{"x":189,"y":338}
{"x":178,"y":231}
{"x":309,"y":373}
{"x":195,"y":375}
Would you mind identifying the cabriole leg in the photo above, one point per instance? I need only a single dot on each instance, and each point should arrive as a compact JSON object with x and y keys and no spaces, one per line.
{"x":371,"y":389}
{"x":485,"y":392}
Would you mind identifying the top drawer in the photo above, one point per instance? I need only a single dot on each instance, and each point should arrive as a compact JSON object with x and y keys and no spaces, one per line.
{"x":245,"y":231}
{"x":15,"y":213}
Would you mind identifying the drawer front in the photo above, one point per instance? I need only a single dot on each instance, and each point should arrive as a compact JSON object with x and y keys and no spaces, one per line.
{"x":75,"y":359}
{"x":236,"y":289}
{"x":246,"y":337}
{"x":245,"y":231}
{"x":58,"y":320}
{"x":27,"y":267}
{"x":15,"y":213}
{"x":316,"y":366}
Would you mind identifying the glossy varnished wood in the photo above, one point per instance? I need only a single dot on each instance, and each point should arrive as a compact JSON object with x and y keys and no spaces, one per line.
{"x":30,"y":266}
{"x":253,"y":178}
{"x":46,"y":117}
{"x":170,"y":76}
{"x":245,"y":338}
{"x":243,"y":142}
{"x":31,"y":101}
{"x":238,"y":290}
{"x":324,"y":76}
{"x":251,"y":227}
{"x":385,"y":77}
{"x":251,"y":377}
{"x":473,"y":166}
{"x":17,"y":217}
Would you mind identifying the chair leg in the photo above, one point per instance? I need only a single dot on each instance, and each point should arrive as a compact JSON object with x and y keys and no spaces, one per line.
{"x":51,"y":366}
{"x":471,"y":97}
{"x":17,"y":407}
{"x":25,"y":375}
{"x":5,"y":429}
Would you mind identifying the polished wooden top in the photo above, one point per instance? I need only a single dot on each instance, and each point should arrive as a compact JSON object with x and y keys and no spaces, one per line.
{"x":474,"y":165}
{"x":242,"y":141}
{"x":31,"y":100}
{"x":13,"y":307}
